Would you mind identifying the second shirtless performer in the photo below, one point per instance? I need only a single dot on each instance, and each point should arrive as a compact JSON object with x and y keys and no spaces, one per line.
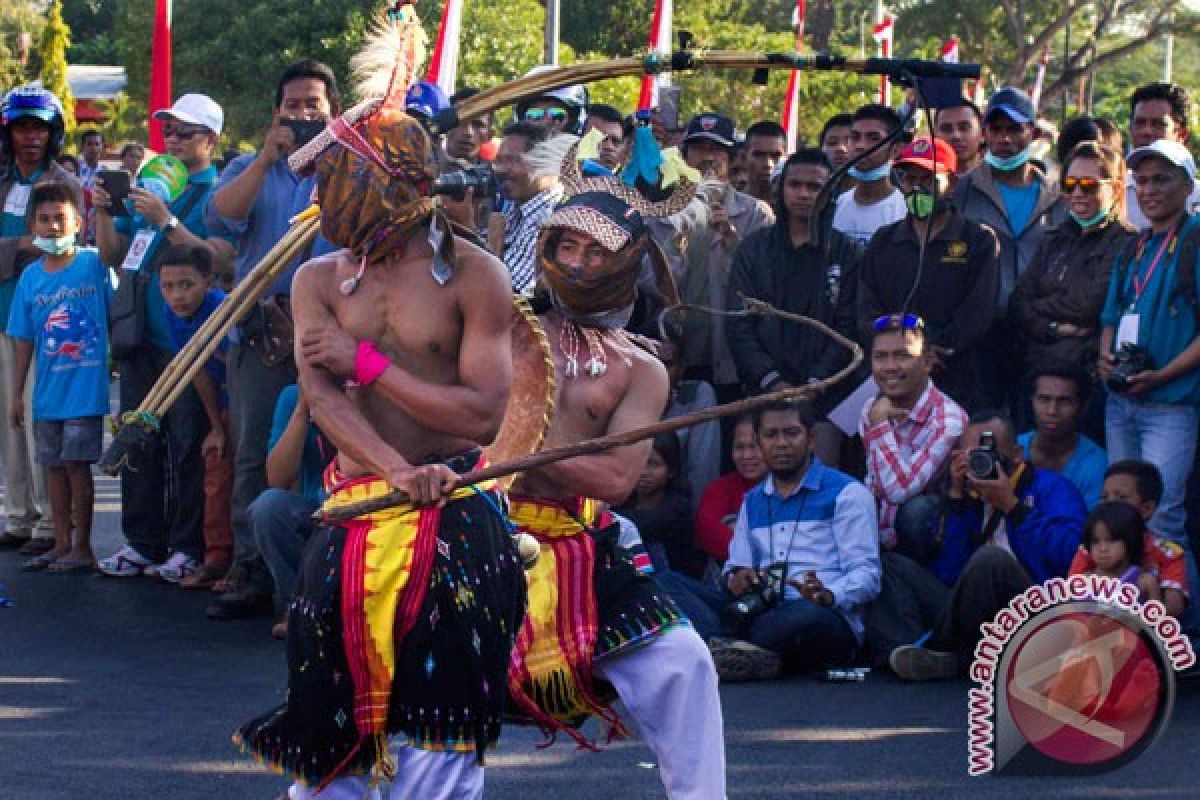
{"x":400,"y":630}
{"x":595,"y":624}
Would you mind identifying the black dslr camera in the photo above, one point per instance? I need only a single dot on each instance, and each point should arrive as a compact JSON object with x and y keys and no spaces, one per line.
{"x":738,"y":615}
{"x":983,"y":462}
{"x":455,"y":184}
{"x":1131,"y":360}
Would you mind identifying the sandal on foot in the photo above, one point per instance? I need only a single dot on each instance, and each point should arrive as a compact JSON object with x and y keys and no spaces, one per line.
{"x":71,"y":566}
{"x":206,"y":576}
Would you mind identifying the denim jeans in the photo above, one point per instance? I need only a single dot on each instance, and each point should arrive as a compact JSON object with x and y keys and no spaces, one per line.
{"x":283,"y":523}
{"x":799,"y":630}
{"x":1165,"y":435}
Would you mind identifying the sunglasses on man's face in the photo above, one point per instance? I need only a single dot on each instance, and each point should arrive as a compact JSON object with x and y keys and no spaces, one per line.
{"x":539,"y":114}
{"x":905,"y":322}
{"x":1088,"y":185}
{"x":181,"y":132}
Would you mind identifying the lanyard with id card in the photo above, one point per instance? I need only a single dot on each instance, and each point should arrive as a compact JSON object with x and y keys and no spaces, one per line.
{"x":138,"y":249}
{"x":1127,"y":330}
{"x":17,"y":200}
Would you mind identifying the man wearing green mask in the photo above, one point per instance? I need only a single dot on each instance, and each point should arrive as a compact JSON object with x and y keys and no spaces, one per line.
{"x":952,"y":287}
{"x":1010,"y":195}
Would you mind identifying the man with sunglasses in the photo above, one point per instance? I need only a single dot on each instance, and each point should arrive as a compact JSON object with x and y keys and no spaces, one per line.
{"x":1152,"y":310}
{"x":152,"y":517}
{"x":562,"y":110}
{"x":936,"y":265}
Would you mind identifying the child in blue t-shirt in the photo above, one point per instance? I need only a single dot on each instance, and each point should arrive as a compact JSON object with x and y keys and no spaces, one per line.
{"x":186,"y":279}
{"x":60,"y":315}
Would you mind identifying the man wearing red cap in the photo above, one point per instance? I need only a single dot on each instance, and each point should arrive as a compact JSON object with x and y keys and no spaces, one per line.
{"x":952,"y":287}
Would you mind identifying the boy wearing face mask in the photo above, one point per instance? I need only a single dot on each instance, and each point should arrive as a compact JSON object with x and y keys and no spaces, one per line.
{"x":954,"y":292}
{"x":1013,"y":197}
{"x":874,"y":202}
{"x":60,"y":312}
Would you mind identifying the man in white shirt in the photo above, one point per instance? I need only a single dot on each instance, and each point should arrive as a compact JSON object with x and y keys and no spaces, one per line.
{"x":1157,"y":111}
{"x":874,"y":202}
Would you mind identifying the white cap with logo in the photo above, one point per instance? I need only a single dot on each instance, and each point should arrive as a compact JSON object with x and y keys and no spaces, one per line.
{"x":195,"y":109}
{"x":1170,"y":151}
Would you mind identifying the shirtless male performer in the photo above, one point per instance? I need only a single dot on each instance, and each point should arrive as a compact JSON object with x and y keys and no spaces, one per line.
{"x":400,"y":630}
{"x":591,"y":614}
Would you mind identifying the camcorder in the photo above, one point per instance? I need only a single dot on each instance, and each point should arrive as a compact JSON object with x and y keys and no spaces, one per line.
{"x":454,"y":185}
{"x":983,"y":462}
{"x":738,"y":615}
{"x":1131,"y":359}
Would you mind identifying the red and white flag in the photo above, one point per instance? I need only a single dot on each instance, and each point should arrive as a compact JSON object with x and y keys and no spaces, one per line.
{"x":443,"y":66}
{"x":883,"y":33}
{"x":791,"y":101}
{"x":950,"y":51}
{"x":160,"y":71}
{"x":660,"y":41}
{"x":1036,"y":93}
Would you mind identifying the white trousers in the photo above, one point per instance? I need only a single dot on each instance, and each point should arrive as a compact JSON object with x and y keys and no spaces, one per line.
{"x":669,"y":687}
{"x":26,"y":504}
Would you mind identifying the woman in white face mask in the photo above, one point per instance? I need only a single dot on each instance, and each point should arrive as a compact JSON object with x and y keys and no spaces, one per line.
{"x":1057,"y":302}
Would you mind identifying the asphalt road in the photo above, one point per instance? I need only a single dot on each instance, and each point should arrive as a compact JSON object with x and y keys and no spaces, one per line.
{"x":122,"y":689}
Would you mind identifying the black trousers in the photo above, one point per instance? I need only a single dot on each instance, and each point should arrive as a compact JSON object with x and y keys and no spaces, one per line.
{"x":162,"y":493}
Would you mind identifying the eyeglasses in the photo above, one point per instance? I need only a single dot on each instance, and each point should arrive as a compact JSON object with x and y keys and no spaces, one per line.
{"x":1089,"y":185}
{"x":904,"y":322}
{"x":181,"y":132}
{"x":539,"y":114}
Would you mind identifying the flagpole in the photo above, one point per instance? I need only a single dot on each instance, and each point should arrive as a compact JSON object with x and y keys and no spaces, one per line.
{"x":160,"y":73}
{"x":884,"y":51}
{"x":791,"y":103}
{"x":659,"y":41}
{"x":552,"y":12}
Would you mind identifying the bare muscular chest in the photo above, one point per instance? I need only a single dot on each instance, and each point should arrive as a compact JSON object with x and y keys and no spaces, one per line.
{"x":585,"y":402}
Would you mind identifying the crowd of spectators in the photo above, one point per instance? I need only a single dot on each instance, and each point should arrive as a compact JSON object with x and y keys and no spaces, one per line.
{"x":1027,"y":407}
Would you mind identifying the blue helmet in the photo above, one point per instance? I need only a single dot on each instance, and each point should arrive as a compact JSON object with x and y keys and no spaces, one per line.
{"x":38,"y":103}
{"x":425,"y":99}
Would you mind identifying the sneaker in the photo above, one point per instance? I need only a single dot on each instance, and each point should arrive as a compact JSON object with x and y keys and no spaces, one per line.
{"x":914,"y":663}
{"x":178,"y":567}
{"x":125,"y":563}
{"x":737,"y":661}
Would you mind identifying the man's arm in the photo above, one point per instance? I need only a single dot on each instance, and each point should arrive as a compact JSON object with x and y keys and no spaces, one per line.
{"x":856,"y":536}
{"x":754,"y":364}
{"x":897,"y":477}
{"x":474,"y":408}
{"x":241,"y":182}
{"x":211,"y":400}
{"x":23,"y":356}
{"x":611,"y":476}
{"x":337,"y":417}
{"x":1048,"y":534}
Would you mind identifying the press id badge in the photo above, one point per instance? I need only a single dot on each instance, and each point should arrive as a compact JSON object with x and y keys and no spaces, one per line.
{"x":138,"y":249}
{"x":1127,"y":331}
{"x":17,"y":200}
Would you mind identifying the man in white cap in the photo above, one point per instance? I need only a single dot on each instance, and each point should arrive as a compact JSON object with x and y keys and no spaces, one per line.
{"x":1156,"y":111}
{"x":158,"y":517}
{"x":1150,"y":345}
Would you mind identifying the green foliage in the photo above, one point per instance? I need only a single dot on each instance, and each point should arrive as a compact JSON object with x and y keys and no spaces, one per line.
{"x":94,"y":40}
{"x":124,"y":118}
{"x":56,"y":38}
{"x":17,"y":17}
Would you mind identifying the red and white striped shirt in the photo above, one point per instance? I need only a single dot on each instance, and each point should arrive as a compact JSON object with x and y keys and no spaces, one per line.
{"x":904,"y":458}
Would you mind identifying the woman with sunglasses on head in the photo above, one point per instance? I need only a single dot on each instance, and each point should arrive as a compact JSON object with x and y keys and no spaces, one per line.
{"x":1057,"y":302}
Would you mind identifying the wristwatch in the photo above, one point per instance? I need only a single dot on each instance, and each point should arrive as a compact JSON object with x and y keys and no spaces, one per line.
{"x":170,"y":225}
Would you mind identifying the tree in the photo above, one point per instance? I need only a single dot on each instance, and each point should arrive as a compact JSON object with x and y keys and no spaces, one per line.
{"x":18,"y":18}
{"x":56,"y":38}
{"x":96,"y":18}
{"x":124,"y":119}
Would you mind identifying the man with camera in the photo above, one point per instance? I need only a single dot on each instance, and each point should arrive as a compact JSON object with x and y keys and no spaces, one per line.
{"x":253,"y":203}
{"x":1006,"y":526}
{"x":1149,"y":349}
{"x":803,"y":563}
{"x":527,"y":176}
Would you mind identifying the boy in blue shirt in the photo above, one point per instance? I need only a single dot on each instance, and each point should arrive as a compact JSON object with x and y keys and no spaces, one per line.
{"x":60,"y":311}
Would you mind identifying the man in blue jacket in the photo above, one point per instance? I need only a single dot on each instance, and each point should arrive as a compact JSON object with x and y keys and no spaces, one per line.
{"x":1006,"y":526}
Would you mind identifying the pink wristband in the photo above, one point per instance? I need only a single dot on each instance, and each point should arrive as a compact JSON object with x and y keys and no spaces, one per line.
{"x":369,"y":363}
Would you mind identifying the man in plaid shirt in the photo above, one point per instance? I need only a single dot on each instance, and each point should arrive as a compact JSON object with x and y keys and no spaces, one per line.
{"x":909,"y":431}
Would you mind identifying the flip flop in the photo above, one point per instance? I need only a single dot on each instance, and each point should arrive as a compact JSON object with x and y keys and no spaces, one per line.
{"x":37,"y":564}
{"x":70,"y":566}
